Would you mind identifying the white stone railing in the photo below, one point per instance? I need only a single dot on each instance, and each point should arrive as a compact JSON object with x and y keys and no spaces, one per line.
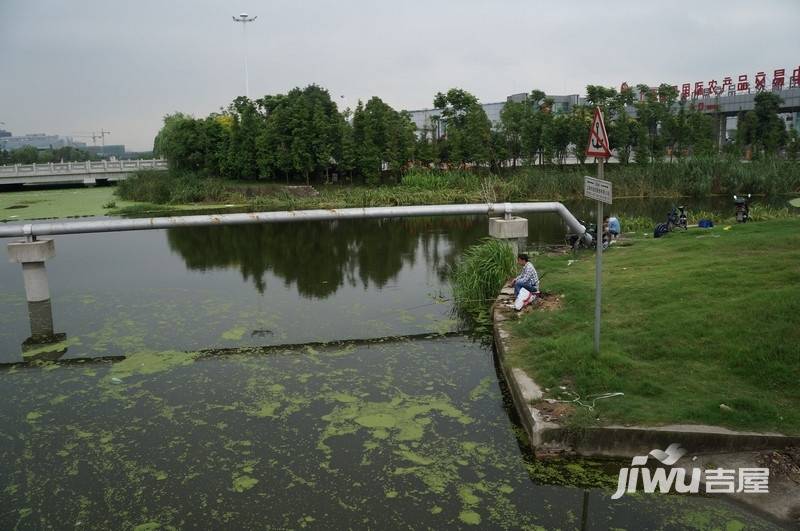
{"x":79,"y":168}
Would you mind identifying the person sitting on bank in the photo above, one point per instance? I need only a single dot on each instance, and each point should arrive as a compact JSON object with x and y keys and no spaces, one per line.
{"x":528,"y":278}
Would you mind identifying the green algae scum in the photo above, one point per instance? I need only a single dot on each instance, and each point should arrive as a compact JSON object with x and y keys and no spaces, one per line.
{"x":398,"y":434}
{"x":207,"y":382}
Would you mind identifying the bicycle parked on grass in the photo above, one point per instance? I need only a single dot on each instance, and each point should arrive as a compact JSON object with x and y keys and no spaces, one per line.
{"x":742,"y":208}
{"x":676,"y":219}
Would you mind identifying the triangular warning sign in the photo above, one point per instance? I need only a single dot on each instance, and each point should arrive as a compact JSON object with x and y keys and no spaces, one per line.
{"x":598,"y":138}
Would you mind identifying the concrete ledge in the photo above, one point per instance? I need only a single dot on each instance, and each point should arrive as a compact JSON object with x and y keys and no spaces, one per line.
{"x":22,"y":252}
{"x":522,"y":388}
{"x":508,"y":229}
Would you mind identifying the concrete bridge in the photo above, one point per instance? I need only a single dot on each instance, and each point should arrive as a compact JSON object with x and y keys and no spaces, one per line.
{"x":76,"y":172}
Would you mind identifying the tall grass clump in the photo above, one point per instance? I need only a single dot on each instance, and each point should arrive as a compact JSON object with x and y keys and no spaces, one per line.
{"x":636,"y":224}
{"x":170,"y":187}
{"x":438,"y":179}
{"x":478,"y":278}
{"x":767,"y":213}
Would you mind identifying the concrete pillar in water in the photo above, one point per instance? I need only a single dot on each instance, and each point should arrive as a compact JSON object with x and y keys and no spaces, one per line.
{"x":513,"y":229}
{"x":44,"y":343}
{"x":32,"y":255}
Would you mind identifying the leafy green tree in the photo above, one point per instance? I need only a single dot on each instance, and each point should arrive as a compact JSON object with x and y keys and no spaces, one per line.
{"x":652,"y":109}
{"x":383,"y":138}
{"x":512,"y":123}
{"x":45,"y":156}
{"x":746,"y":130}
{"x":535,"y":113}
{"x":599,"y":96}
{"x":556,"y":138}
{"x":499,"y":152}
{"x":621,"y":126}
{"x":191,"y":144}
{"x":70,"y":154}
{"x":675,"y":130}
{"x":300,"y":135}
{"x":467,"y":126}
{"x":241,"y":162}
{"x":770,"y":131}
{"x":347,"y":160}
{"x":425,"y":149}
{"x":25,"y":155}
{"x":579,"y":122}
{"x":700,"y":129}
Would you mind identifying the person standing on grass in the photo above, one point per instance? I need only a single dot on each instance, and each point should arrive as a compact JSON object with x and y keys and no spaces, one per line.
{"x":528,"y":278}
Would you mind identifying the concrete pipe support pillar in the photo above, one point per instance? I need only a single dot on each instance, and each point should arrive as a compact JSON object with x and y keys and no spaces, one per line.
{"x":32,"y":255}
{"x":513,"y":229}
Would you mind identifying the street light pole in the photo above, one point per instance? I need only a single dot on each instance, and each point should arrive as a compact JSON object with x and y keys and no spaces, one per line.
{"x":244,"y":18}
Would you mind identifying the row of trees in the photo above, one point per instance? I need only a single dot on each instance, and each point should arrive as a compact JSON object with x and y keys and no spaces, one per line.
{"x":301,"y":136}
{"x":30,"y":155}
{"x":295,"y":136}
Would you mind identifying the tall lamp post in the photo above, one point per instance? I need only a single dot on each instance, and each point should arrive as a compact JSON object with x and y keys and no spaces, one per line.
{"x":244,"y":18}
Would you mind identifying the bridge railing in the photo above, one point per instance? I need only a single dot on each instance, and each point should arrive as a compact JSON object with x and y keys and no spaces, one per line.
{"x":68,"y":168}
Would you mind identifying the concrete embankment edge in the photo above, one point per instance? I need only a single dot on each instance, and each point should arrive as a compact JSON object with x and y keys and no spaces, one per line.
{"x":709,"y":446}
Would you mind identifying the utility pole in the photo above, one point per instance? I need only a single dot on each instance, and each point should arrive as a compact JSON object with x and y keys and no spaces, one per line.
{"x":244,"y":18}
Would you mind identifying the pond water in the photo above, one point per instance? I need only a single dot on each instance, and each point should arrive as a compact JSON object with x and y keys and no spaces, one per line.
{"x":306,"y":375}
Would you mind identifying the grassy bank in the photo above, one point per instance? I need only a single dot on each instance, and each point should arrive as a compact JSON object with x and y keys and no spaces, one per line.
{"x":691,"y":321}
{"x":699,"y":177}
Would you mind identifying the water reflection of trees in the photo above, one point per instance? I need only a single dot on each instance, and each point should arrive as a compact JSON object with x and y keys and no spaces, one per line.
{"x":320,"y":257}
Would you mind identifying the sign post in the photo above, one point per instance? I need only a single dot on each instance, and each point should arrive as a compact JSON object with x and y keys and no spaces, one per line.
{"x":601,"y":191}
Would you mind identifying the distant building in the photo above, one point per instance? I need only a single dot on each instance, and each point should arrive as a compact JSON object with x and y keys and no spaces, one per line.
{"x":38,"y":140}
{"x":427,"y":119}
{"x":108,"y":151}
{"x":728,"y":105}
{"x":4,"y":133}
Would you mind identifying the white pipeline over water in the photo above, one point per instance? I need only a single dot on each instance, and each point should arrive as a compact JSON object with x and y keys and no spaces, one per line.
{"x":32,"y":230}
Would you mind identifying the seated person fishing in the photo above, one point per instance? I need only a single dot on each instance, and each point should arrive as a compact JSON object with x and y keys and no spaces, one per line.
{"x":528,"y":278}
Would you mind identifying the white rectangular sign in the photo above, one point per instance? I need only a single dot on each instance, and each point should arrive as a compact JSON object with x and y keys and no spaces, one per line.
{"x":597,"y":189}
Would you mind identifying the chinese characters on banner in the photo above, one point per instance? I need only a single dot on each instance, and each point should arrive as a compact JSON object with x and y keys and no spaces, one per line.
{"x":743,"y":85}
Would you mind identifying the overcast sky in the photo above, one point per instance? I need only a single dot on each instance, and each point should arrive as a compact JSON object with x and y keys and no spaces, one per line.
{"x":69,"y":66}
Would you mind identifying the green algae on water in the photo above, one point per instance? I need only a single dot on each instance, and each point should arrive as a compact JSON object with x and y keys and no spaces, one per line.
{"x":470,"y":517}
{"x":403,"y":418}
{"x":234,"y":334}
{"x":243,"y":483}
{"x":149,"y":362}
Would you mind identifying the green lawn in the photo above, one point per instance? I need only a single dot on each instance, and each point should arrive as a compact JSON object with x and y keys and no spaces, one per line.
{"x":690,"y":321}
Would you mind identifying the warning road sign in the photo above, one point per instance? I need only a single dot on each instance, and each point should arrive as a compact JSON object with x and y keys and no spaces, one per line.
{"x":598,"y":138}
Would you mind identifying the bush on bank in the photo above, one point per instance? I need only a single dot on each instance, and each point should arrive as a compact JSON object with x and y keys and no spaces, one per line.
{"x":172,"y":188}
{"x":478,"y":278}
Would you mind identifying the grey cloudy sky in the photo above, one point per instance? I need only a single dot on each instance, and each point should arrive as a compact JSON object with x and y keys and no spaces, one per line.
{"x":79,"y":65}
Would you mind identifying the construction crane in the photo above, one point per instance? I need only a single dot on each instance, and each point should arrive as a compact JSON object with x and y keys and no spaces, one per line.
{"x":94,"y":136}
